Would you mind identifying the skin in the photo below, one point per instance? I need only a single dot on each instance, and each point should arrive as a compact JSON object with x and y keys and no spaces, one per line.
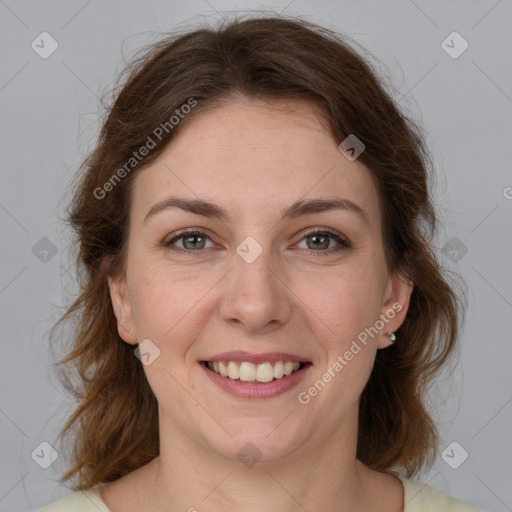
{"x":254,"y":159}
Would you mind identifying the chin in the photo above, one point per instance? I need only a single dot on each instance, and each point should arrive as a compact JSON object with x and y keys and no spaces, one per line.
{"x":255,"y":441}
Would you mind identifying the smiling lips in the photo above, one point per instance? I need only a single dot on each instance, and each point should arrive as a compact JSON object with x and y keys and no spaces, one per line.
{"x":250,"y":372}
{"x":255,"y":376}
{"x":246,"y":367}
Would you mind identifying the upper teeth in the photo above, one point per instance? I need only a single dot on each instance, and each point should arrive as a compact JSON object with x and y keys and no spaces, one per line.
{"x":248,"y":372}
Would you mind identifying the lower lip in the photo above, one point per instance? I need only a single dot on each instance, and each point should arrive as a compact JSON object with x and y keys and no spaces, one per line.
{"x":242,"y":389}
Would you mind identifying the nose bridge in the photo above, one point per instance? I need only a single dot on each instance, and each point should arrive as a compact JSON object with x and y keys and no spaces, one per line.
{"x":257,"y":295}
{"x":255,"y":264}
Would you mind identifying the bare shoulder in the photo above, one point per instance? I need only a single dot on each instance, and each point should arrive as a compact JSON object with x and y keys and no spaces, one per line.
{"x":386,"y":491}
{"x":128,"y":492}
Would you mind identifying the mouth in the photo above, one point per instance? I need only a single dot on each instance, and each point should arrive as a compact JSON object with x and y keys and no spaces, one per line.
{"x":255,"y":376}
{"x":261,"y":373}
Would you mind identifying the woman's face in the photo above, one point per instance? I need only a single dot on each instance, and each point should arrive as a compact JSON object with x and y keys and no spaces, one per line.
{"x":256,"y":281}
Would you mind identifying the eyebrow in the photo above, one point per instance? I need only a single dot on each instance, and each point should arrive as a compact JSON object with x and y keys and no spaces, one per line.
{"x":297,"y":209}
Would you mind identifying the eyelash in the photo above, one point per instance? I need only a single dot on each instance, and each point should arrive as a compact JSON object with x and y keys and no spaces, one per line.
{"x":343,"y":242}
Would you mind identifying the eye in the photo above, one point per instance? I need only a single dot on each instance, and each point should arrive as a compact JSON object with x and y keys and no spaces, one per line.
{"x":195,"y":240}
{"x":321,"y":239}
{"x":190,"y":240}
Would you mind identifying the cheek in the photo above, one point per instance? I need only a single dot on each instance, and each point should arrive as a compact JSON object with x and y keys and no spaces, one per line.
{"x":166,"y":304}
{"x":341,"y":306}
{"x":342,"y":302}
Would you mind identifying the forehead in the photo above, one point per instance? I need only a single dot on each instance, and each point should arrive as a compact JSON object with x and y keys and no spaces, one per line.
{"x":254,"y":157}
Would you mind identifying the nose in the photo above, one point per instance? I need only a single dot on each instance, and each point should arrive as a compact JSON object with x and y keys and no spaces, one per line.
{"x":257,"y":297}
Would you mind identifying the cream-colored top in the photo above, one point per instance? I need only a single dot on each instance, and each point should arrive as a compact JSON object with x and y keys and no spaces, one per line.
{"x":418,"y":498}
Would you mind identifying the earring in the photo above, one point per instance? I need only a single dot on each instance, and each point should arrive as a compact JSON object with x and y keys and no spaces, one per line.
{"x":391,"y":336}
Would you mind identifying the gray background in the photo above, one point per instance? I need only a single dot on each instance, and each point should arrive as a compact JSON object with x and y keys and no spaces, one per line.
{"x":50,"y":109}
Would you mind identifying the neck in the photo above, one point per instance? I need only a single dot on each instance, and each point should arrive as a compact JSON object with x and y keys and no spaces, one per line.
{"x":188,"y":476}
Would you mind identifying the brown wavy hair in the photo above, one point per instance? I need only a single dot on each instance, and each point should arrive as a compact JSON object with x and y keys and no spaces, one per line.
{"x":114,"y":427}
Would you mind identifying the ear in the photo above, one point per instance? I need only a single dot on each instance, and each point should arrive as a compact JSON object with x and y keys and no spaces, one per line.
{"x":122,"y":308}
{"x":395,"y":307}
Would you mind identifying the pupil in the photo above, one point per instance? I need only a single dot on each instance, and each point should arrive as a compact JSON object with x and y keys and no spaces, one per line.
{"x":315,"y":237}
{"x":193,"y":246}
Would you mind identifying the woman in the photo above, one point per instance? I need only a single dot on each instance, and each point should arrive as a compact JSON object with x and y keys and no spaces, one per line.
{"x":261,"y":309}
